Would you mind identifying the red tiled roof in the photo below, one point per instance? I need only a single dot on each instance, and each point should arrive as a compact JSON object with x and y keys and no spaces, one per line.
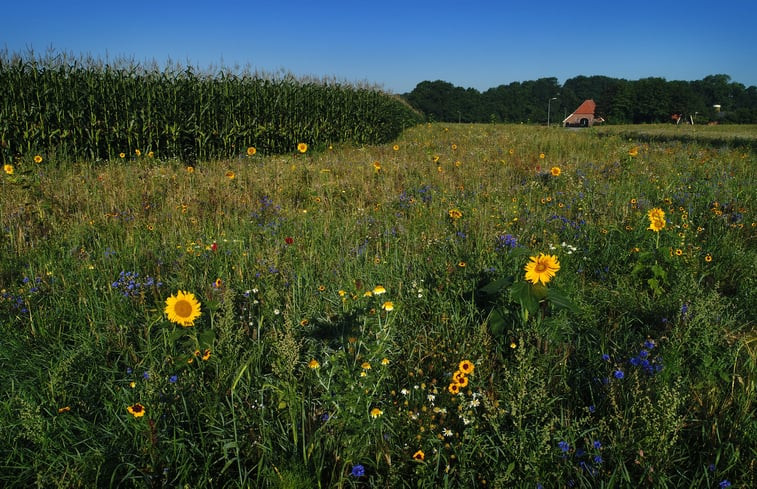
{"x":588,"y":107}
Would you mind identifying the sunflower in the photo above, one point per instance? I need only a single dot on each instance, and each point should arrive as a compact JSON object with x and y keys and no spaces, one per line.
{"x":419,"y":455}
{"x":376,"y":166}
{"x":555,"y":171}
{"x":466,"y":367}
{"x":455,"y":214}
{"x":656,"y":224}
{"x":454,"y":388}
{"x":656,"y":213}
{"x":137,"y":410}
{"x":633,"y":152}
{"x":38,"y":159}
{"x":541,"y":268}
{"x":679,"y":252}
{"x":182,"y":308}
{"x":396,"y":147}
{"x":137,"y":152}
{"x":206,"y":355}
{"x":8,"y":169}
{"x":302,"y":147}
{"x":230,"y":175}
{"x":708,"y":258}
{"x":542,"y":156}
{"x":122,"y":155}
{"x":251,"y":151}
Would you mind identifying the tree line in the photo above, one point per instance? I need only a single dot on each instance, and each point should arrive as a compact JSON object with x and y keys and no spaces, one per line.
{"x":715,"y":98}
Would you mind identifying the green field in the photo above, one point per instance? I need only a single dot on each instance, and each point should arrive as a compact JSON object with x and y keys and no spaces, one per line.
{"x":365,"y":318}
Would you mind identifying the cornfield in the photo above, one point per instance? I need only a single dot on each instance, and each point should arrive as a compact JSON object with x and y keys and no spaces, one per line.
{"x":76,"y":108}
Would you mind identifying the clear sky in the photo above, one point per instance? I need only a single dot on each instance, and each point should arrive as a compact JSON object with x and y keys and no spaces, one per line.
{"x":397,"y":44}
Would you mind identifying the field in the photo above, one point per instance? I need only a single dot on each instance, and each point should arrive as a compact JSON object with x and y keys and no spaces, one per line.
{"x":361,"y":316}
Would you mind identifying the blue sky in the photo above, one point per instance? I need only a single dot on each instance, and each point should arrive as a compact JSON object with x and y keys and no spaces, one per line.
{"x":397,"y":44}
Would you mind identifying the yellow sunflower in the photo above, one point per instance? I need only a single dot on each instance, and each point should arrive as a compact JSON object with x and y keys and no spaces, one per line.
{"x":251,"y":151}
{"x":419,"y":455}
{"x":230,"y":175}
{"x":182,"y":308}
{"x":555,"y":171}
{"x":541,"y":268}
{"x":38,"y":159}
{"x":455,"y":214}
{"x":8,"y":169}
{"x":656,"y":224}
{"x":302,"y":147}
{"x":656,"y":213}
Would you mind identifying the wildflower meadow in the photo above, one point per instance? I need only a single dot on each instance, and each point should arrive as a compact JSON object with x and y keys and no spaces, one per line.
{"x":466,"y":305}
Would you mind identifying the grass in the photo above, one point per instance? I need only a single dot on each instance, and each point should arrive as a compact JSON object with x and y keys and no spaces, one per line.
{"x":633,"y":367}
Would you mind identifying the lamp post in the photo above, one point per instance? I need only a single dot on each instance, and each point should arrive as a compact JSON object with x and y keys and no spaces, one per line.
{"x":549,"y":108}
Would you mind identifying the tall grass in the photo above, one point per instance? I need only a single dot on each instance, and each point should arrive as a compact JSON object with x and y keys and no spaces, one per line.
{"x":643,"y":376}
{"x":70,"y":108}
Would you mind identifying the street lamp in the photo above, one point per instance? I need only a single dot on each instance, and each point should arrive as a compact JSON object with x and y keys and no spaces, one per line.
{"x":549,"y":108}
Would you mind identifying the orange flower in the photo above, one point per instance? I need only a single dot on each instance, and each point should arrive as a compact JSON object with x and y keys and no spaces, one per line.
{"x":419,"y":455}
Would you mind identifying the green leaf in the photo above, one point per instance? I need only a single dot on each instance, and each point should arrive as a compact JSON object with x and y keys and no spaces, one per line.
{"x":206,"y":338}
{"x":497,"y":322}
{"x":494,"y":288}
{"x":521,"y":292}
{"x":559,"y":300}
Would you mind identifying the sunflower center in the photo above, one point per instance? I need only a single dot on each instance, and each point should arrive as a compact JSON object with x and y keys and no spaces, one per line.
{"x":183,"y":308}
{"x":540,"y":267}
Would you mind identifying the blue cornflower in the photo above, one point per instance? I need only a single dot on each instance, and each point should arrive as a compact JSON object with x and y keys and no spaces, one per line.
{"x":649,"y":344}
{"x":172,"y":379}
{"x":598,"y":459}
{"x":643,"y":354}
{"x":539,"y":486}
{"x":618,"y":374}
{"x":357,"y":471}
{"x":592,"y":408}
{"x":564,"y":446}
{"x":711,"y":467}
{"x":129,"y":370}
{"x":605,"y":357}
{"x":597,"y":444}
{"x":724,"y":483}
{"x":146,"y":375}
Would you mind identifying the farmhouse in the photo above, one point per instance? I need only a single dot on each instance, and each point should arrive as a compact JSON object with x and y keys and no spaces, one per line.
{"x":583,"y":116}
